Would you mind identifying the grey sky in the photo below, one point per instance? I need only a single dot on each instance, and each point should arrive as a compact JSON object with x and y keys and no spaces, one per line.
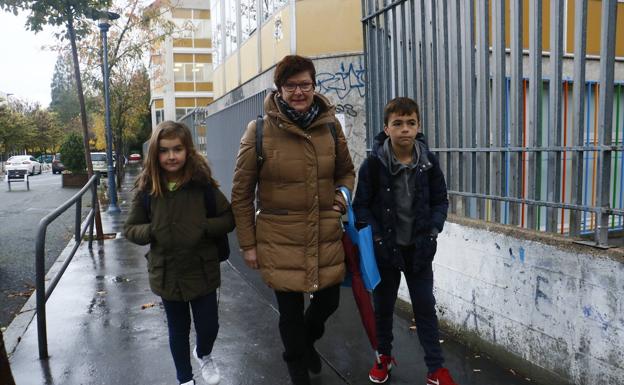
{"x":25,"y":68}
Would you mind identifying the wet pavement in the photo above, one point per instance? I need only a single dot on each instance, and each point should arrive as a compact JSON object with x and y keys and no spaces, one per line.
{"x":106,"y":327}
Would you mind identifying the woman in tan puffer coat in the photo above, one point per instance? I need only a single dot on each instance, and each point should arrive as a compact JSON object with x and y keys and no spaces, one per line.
{"x":294,"y":236}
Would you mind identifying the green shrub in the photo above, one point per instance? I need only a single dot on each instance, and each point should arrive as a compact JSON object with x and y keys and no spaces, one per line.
{"x":73,"y":155}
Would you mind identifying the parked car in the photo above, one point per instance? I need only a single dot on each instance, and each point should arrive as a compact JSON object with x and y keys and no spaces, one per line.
{"x":134,"y":159}
{"x":98,"y":159}
{"x":57,"y":165}
{"x":44,"y":158}
{"x":24,"y":162}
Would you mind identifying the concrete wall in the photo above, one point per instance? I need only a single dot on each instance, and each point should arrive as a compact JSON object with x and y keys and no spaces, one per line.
{"x":547,"y":307}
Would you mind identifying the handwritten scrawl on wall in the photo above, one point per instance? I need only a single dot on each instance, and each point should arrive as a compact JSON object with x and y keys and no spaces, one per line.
{"x":349,"y":78}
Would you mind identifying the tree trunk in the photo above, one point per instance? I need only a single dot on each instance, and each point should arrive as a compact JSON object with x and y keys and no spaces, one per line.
{"x":5,"y":368}
{"x":83,"y":115}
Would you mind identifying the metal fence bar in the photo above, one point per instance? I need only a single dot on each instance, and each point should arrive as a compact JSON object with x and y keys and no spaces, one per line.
{"x":414,"y":54}
{"x":387,"y":65}
{"x":567,"y":206}
{"x":516,"y":110}
{"x":469,"y":102}
{"x":445,"y":88}
{"x":535,"y":103}
{"x":455,"y":178}
{"x":434,"y":130}
{"x":605,"y":117}
{"x":553,"y":173}
{"x":482,"y":129}
{"x":375,"y":91}
{"x":41,"y":294}
{"x":368,"y":47}
{"x":424,"y":69}
{"x":533,"y":149}
{"x":407,"y":47}
{"x":498,"y":163}
{"x":394,"y":55}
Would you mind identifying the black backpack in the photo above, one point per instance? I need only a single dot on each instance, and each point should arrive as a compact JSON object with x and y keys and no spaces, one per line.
{"x":259,"y":133}
{"x":223,"y":245}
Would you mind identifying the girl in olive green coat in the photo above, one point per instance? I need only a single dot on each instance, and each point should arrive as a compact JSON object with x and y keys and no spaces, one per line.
{"x":169,"y":213}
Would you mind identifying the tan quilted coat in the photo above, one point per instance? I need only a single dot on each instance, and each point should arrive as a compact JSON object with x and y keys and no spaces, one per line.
{"x":296,"y":232}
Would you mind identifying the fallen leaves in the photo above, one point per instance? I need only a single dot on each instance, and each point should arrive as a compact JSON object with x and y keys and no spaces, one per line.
{"x":23,"y":294}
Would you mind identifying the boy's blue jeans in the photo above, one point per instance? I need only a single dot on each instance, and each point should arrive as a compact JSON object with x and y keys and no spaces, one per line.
{"x":420,"y":285}
{"x":206,"y":320}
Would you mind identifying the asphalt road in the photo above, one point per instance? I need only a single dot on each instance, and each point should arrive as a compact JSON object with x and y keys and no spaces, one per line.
{"x":20,"y":213}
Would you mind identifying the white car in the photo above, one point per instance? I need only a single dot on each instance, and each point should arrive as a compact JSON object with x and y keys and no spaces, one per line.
{"x":24,"y":162}
{"x":98,"y":159}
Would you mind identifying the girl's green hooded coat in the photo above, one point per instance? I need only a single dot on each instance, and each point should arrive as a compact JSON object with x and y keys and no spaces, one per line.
{"x":183,"y":261}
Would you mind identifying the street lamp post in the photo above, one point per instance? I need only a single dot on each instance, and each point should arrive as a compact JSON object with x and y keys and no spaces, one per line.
{"x":104,"y":18}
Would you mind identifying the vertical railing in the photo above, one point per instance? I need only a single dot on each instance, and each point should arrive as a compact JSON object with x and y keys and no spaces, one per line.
{"x":607,"y":56}
{"x":517,"y":109}
{"x":533,"y":149}
{"x":578,"y":115}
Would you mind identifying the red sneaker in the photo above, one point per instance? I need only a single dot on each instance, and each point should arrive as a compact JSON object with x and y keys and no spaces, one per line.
{"x":382,"y":367}
{"x":440,"y":377}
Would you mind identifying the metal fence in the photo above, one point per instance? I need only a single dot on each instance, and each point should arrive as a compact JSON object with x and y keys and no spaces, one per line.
{"x":545,"y":158}
{"x":218,"y":135}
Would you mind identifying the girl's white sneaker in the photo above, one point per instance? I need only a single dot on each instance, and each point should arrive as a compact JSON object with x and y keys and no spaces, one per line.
{"x":209,"y":369}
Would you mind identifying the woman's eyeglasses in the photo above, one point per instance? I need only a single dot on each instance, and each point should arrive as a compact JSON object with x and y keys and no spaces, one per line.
{"x":304,"y":87}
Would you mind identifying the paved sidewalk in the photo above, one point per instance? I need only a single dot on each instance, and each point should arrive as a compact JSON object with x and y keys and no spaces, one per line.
{"x":106,"y":327}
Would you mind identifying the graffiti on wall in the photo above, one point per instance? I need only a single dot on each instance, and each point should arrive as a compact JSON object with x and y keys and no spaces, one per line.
{"x":347,"y":79}
{"x":346,"y":109}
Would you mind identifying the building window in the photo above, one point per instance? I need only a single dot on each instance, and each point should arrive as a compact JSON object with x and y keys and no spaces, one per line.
{"x":217,"y":32}
{"x":192,"y":67}
{"x":249,"y":18}
{"x":181,"y":111}
{"x":231,"y":39}
{"x":191,"y":24}
{"x":160,"y":115}
{"x":270,"y":6}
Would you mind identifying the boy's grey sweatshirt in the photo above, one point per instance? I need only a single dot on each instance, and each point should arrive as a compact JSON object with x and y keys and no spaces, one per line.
{"x":403,"y":186}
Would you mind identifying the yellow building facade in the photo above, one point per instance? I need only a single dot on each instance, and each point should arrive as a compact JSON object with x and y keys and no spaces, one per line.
{"x":312,"y":28}
{"x":181,"y":76}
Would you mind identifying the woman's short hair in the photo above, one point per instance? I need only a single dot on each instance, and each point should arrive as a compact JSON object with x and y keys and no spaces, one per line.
{"x":292,"y":65}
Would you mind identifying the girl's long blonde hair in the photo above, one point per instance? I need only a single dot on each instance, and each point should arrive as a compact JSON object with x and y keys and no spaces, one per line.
{"x":152,"y":179}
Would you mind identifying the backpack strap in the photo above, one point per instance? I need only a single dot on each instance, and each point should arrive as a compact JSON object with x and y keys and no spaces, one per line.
{"x":259,"y":133}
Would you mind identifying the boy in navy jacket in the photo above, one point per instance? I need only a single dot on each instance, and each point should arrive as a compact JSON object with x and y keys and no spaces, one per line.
{"x":401,"y":193}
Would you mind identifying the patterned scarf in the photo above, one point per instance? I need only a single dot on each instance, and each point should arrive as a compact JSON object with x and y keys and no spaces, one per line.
{"x":301,"y":119}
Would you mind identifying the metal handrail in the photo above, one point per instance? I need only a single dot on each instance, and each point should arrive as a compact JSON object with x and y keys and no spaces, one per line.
{"x":42,"y":294}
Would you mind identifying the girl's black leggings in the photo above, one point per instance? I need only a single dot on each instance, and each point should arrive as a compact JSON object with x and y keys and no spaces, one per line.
{"x":206,"y":320}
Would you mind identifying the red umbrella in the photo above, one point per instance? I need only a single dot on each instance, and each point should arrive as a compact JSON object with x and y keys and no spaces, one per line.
{"x":360,"y":294}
